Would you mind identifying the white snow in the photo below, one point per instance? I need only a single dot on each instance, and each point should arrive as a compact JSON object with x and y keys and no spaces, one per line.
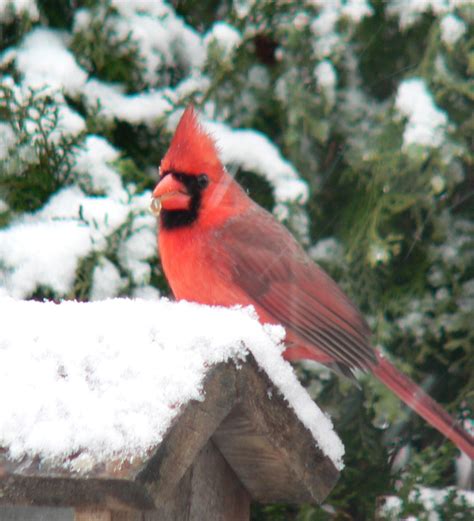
{"x":452,"y":29}
{"x":253,"y":151}
{"x":45,"y":248}
{"x":106,"y":280}
{"x":326,"y":77}
{"x":430,"y":498}
{"x":426,"y":123}
{"x":356,"y":10}
{"x":41,"y":254}
{"x":145,"y":107}
{"x":68,"y":121}
{"x":464,"y":470}
{"x":324,"y":29}
{"x":107,"y":378}
{"x":324,"y":25}
{"x":328,"y":250}
{"x":146,"y":293}
{"x":45,"y":61}
{"x":9,"y":9}
{"x":137,"y":249}
{"x":3,"y":205}
{"x":7,"y":139}
{"x":409,"y":11}
{"x":160,"y":35}
{"x":103,"y":215}
{"x":93,"y":164}
{"x":225,"y":36}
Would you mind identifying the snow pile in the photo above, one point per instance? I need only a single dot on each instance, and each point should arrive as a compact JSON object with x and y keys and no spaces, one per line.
{"x":255,"y":152}
{"x":44,"y":60}
{"x":107,"y":378}
{"x":145,"y":107}
{"x":44,"y":249}
{"x":452,"y":29}
{"x":39,"y":254}
{"x":426,"y":123}
{"x":93,"y":162}
{"x":161,"y":36}
{"x":225,"y":36}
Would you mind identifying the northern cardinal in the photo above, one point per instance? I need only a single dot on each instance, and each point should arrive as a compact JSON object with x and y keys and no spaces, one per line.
{"x":218,"y":247}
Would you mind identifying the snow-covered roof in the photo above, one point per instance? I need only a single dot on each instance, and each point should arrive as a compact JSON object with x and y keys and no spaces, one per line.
{"x":107,"y":378}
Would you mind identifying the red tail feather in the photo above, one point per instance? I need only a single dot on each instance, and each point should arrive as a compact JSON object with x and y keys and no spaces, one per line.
{"x":424,"y":405}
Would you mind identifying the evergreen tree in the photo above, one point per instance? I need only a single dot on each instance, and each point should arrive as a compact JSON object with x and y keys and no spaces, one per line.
{"x":359,"y":138}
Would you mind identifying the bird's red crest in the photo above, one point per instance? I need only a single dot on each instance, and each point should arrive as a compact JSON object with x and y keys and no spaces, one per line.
{"x":192,"y":150}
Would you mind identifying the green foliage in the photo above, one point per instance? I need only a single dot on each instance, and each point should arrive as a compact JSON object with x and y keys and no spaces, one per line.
{"x":43,"y":156}
{"x":106,"y":54}
{"x":13,"y":29}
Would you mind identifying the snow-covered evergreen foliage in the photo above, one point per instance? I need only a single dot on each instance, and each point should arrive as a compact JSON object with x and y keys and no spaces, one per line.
{"x":350,"y":119}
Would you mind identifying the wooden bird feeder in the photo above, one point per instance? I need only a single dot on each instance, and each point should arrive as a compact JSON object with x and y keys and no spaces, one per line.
{"x":220,"y":454}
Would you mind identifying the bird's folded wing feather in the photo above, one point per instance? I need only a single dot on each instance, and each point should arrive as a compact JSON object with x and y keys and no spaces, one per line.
{"x":268,"y":264}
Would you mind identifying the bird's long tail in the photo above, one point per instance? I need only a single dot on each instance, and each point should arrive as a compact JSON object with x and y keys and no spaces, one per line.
{"x":424,"y":405}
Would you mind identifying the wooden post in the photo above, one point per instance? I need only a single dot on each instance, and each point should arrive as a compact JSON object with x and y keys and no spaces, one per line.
{"x":216,"y":492}
{"x":209,"y":491}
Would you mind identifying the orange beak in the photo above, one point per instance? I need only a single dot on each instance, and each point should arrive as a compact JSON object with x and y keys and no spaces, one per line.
{"x":169,"y":194}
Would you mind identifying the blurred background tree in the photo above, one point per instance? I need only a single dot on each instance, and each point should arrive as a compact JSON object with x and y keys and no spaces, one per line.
{"x":360,"y":118}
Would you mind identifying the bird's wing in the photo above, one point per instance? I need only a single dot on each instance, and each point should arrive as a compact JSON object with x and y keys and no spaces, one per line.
{"x":267,"y":263}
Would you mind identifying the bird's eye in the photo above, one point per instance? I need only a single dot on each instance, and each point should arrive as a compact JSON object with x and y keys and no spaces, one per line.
{"x":203,"y":181}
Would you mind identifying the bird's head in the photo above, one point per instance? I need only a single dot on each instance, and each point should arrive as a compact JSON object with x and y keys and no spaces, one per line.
{"x":193,"y":180}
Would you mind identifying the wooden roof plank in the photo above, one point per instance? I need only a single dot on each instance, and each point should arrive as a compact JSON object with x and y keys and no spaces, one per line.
{"x":271,"y":451}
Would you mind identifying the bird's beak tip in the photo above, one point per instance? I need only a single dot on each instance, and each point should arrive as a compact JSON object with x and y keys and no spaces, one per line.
{"x":155,"y":206}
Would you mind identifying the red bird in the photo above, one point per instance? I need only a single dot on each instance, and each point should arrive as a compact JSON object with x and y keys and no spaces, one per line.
{"x":218,"y":247}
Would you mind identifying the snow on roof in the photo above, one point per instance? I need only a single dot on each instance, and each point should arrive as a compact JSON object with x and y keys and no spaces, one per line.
{"x":107,"y":378}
